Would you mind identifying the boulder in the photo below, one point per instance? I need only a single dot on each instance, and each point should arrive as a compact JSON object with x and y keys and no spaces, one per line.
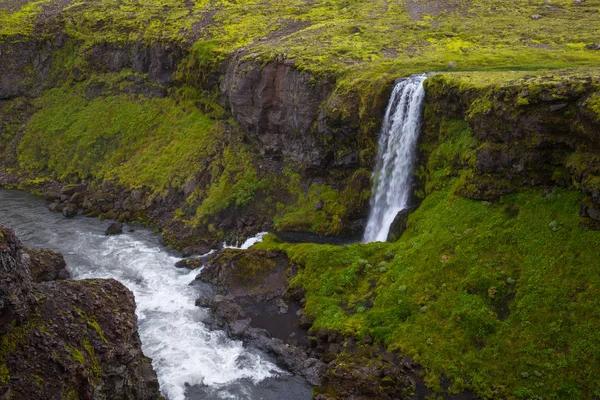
{"x":47,"y":265}
{"x":114,"y":228}
{"x":399,"y":225}
{"x":190,"y":263}
{"x":66,"y":338}
{"x":70,"y":210}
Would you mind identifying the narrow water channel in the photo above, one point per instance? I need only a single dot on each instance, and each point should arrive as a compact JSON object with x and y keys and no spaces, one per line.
{"x":191,"y":361}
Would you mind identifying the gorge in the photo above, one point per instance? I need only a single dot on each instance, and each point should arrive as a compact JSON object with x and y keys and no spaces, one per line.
{"x":474,"y":272}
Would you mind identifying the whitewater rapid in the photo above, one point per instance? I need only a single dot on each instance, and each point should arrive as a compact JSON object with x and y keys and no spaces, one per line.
{"x":191,"y":361}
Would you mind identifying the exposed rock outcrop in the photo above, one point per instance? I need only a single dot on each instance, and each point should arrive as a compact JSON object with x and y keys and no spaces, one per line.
{"x":290,"y":114}
{"x":527,"y":131}
{"x":254,"y":303}
{"x":251,"y":305}
{"x":47,"y":265}
{"x":66,"y":339}
{"x":15,"y":280}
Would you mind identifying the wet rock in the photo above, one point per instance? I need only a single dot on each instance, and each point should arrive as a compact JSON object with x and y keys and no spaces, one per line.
{"x":114,"y":228}
{"x":399,"y":225}
{"x":69,"y":210}
{"x":77,"y":198}
{"x":252,"y":306}
{"x":190,"y":263}
{"x":56,"y":207}
{"x":198,"y":249}
{"x":47,"y":265}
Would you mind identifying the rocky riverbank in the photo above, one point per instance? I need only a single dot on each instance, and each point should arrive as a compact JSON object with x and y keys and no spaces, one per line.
{"x":66,"y":339}
{"x":255,"y":302}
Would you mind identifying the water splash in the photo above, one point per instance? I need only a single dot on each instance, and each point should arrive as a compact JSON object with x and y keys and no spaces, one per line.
{"x":248,"y":243}
{"x":392,"y":177}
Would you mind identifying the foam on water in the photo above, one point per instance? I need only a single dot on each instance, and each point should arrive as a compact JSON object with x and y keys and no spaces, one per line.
{"x":248,"y":243}
{"x":183,"y":350}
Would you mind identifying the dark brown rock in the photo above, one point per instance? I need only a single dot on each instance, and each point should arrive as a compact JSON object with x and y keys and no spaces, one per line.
{"x":114,"y":228}
{"x":47,"y":265}
{"x":399,"y":225}
{"x":70,"y":210}
{"x":15,"y":280}
{"x":66,"y":338}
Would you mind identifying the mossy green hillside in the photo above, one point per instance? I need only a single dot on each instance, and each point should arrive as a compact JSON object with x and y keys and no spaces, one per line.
{"x":337,"y":36}
{"x":138,"y":141}
{"x":500,"y":298}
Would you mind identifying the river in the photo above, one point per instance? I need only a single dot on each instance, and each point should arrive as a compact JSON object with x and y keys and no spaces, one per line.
{"x":191,"y":361}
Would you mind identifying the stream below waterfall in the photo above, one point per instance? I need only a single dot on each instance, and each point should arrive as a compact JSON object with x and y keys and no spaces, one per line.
{"x":191,"y":362}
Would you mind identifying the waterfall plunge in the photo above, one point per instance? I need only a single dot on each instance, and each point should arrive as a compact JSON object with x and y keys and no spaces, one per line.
{"x":392,"y":177}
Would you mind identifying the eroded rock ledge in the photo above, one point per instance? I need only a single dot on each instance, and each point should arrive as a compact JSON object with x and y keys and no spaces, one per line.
{"x":66,"y":339}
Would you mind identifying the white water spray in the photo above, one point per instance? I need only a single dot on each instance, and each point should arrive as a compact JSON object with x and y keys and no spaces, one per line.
{"x":248,"y":243}
{"x":392,"y":177}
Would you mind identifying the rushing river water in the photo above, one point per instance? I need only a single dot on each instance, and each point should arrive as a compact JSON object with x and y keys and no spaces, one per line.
{"x":191,"y":362}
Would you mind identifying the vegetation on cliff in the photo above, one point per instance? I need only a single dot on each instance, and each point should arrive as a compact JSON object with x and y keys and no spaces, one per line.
{"x":499,"y":298}
{"x":493,"y":286}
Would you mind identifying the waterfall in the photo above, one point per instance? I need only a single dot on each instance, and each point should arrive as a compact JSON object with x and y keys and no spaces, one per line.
{"x":392,"y":177}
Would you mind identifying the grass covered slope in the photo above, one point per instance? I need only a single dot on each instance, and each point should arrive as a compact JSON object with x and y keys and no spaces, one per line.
{"x":337,"y":35}
{"x":499,"y":298}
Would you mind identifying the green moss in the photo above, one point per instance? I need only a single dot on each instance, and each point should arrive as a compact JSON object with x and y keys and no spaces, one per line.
{"x":76,"y":354}
{"x":92,"y":323}
{"x":321,"y":208}
{"x":139,"y":142}
{"x":482,"y":294}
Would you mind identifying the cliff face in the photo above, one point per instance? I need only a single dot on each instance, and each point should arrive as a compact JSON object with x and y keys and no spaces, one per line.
{"x":525,"y":132}
{"x":67,"y":339}
{"x":289,"y":140}
{"x":288,"y":112}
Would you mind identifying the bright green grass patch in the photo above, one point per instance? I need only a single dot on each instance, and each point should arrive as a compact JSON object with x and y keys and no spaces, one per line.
{"x":500,"y":296}
{"x":140,"y":142}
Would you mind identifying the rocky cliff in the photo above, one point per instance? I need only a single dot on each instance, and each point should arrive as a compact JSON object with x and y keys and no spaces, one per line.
{"x":525,"y":131}
{"x":66,"y":339}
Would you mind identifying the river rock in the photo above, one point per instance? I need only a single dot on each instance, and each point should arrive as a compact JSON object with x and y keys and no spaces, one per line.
{"x":70,"y":210}
{"x":70,"y":190}
{"x":200,"y":248}
{"x":114,"y":228}
{"x":47,"y":265}
{"x":190,"y":263}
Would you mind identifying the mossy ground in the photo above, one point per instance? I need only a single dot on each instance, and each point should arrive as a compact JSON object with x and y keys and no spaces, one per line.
{"x":500,"y":298}
{"x":359,"y":38}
